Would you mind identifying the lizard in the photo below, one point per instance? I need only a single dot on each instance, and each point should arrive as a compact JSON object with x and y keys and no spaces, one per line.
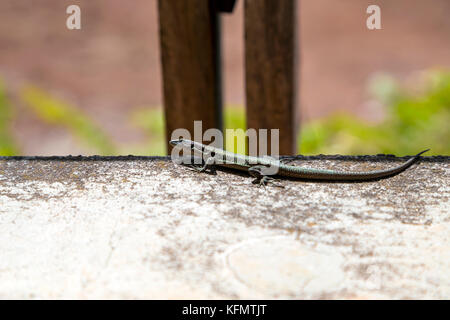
{"x":258,"y":167}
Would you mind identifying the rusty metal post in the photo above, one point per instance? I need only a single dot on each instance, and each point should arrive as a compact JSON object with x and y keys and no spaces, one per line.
{"x":270,"y":60}
{"x":190,"y":56}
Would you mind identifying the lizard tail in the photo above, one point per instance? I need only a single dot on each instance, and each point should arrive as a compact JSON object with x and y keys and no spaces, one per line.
{"x":361,"y":176}
{"x":393,"y":171}
{"x":412,"y":160}
{"x":418,"y":155}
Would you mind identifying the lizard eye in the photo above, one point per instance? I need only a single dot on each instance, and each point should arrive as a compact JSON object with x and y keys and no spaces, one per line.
{"x":213,"y":154}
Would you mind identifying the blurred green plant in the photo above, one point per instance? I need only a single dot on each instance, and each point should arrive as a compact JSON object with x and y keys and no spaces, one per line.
{"x":7,"y":144}
{"x":234,"y":119}
{"x":414,"y":121}
{"x":55,"y":112}
{"x":151,"y":121}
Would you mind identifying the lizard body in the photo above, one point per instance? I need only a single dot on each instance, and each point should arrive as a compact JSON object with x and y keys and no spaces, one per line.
{"x":258,"y":166}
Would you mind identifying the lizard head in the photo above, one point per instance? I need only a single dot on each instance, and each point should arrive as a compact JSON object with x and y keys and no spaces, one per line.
{"x":188,"y":144}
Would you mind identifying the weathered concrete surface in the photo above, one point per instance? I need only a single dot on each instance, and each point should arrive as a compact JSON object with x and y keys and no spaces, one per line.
{"x":145,"y":228}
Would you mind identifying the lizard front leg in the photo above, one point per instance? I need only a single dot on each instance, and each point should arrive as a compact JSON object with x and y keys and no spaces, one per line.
{"x":209,"y":164}
{"x":196,"y":163}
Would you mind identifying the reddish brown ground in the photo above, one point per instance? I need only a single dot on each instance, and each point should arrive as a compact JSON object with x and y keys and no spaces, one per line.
{"x":111,"y":66}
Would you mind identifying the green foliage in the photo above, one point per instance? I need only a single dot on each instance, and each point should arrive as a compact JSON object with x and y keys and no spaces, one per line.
{"x":234,"y":117}
{"x":7,"y":145}
{"x":340,"y":133}
{"x":58,"y":113}
{"x":151,"y":121}
{"x":235,"y":127}
{"x":414,"y":121}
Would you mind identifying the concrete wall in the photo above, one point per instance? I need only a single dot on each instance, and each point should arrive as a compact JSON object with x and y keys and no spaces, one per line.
{"x":145,"y":228}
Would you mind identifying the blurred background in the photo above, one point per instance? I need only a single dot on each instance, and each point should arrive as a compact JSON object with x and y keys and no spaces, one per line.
{"x":98,"y":90}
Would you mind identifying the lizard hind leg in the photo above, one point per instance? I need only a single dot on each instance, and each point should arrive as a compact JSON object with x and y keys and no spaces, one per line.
{"x":259,"y":172}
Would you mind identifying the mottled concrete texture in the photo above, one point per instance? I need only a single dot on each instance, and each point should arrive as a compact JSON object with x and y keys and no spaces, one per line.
{"x":145,"y":228}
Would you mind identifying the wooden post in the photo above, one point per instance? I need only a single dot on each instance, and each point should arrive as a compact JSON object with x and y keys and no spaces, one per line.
{"x":190,"y":54}
{"x":270,"y":56}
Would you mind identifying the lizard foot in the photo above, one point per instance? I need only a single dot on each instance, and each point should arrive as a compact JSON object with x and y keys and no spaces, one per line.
{"x":261,"y":179}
